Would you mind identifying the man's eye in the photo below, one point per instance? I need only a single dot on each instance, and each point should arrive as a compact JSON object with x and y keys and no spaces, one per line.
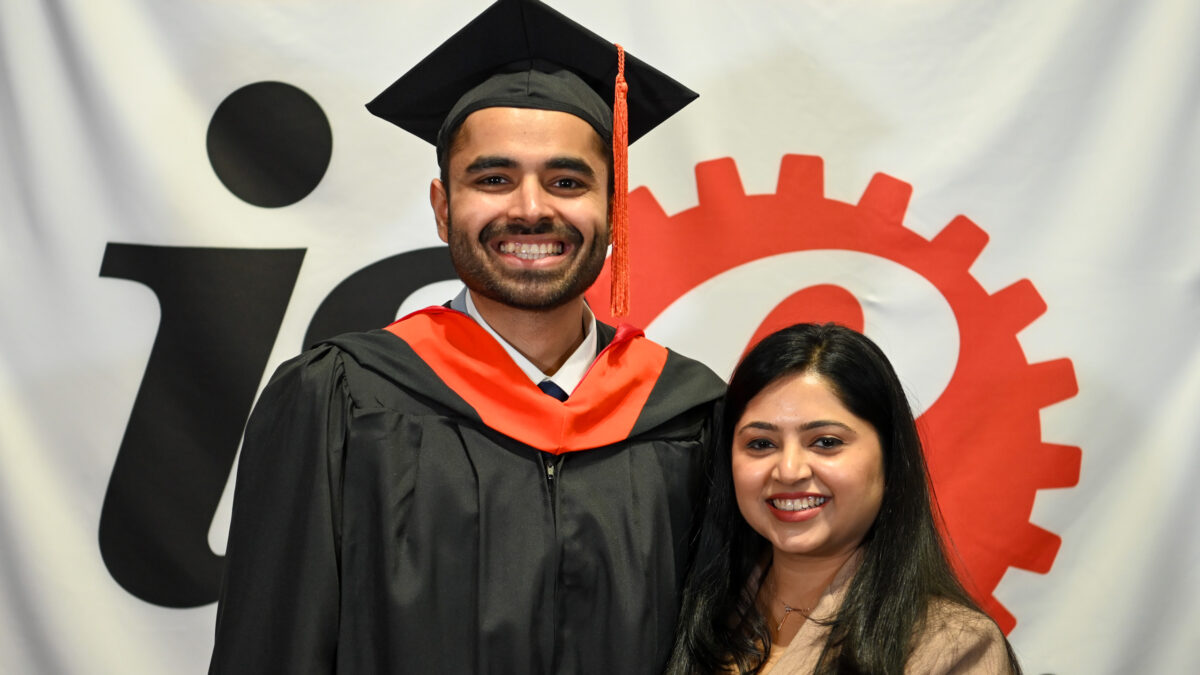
{"x":567,"y":184}
{"x":492,"y":180}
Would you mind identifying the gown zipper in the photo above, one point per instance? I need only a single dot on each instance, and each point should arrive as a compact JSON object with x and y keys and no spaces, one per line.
{"x":548,"y":463}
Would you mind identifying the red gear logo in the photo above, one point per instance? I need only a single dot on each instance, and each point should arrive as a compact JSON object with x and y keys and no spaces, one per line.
{"x":982,"y":434}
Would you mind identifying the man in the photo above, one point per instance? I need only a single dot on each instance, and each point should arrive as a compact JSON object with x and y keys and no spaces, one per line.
{"x":409,"y":499}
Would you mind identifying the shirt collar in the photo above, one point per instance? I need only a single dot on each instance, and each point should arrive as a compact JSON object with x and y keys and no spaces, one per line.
{"x":572,"y":370}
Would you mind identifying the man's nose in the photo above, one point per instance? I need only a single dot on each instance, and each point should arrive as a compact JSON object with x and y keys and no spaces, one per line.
{"x":530,"y":202}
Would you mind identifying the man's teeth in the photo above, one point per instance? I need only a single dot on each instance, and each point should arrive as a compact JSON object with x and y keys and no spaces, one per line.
{"x":802,"y":504}
{"x":531,"y":251}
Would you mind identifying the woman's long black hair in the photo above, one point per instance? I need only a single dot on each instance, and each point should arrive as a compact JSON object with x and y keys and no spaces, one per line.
{"x":904,"y":565}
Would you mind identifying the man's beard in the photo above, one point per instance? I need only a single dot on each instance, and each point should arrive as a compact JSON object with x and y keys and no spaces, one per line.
{"x":528,"y":289}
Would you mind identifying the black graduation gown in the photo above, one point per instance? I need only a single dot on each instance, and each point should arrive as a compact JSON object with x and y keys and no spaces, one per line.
{"x":385,"y":522}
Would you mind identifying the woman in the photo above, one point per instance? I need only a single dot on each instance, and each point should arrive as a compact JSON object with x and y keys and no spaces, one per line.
{"x":818,"y":551}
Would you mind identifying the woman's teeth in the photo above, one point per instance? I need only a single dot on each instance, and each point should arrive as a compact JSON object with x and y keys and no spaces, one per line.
{"x":531,"y":251}
{"x":802,"y":504}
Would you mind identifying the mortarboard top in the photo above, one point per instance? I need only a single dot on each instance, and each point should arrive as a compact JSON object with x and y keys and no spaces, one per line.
{"x":524,"y":54}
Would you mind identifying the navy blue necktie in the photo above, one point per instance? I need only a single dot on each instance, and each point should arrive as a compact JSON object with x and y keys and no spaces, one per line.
{"x":550,"y":389}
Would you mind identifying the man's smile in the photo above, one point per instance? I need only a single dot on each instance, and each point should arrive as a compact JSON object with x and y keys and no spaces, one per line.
{"x":537,"y":247}
{"x":532,"y":250}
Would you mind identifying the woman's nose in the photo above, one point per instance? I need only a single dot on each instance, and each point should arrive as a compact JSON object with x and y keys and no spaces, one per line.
{"x":793,"y":465}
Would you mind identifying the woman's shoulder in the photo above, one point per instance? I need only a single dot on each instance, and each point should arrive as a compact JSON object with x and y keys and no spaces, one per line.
{"x":948,"y":616}
{"x":959,"y":639}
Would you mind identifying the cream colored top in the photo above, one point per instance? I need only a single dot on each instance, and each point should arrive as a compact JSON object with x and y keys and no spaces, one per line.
{"x":956,"y":640}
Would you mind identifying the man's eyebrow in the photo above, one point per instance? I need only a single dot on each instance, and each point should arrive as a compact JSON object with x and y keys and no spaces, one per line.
{"x":571,"y":164}
{"x":488,"y":162}
{"x":562,"y":163}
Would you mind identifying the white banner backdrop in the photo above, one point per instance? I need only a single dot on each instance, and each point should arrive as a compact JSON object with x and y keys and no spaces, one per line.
{"x":1041,"y":299}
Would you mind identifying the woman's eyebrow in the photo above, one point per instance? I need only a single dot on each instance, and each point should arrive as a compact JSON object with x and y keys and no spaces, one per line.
{"x":807,"y":426}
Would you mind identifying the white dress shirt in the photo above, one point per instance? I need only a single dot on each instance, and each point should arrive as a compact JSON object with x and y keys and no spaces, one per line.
{"x":572,"y":370}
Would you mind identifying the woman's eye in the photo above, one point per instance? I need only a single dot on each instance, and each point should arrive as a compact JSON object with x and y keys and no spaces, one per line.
{"x":760,"y":444}
{"x":828,"y":442}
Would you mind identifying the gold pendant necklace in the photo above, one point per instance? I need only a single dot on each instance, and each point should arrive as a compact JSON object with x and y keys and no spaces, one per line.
{"x":787,"y":611}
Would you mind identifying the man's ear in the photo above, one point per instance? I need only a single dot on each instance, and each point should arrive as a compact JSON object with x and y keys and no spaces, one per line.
{"x":440,"y":202}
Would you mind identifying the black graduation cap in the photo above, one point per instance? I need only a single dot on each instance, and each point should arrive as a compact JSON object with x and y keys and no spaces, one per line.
{"x":524,"y":54}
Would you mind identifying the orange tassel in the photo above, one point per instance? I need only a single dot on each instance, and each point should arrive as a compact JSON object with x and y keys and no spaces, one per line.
{"x":619,"y":302}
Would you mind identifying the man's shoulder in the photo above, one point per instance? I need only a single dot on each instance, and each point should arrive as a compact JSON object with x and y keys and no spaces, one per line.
{"x":684,"y":395}
{"x":332,"y":351}
{"x":680,"y":369}
{"x":675,"y":360}
{"x":354,"y":360}
{"x":358,"y":343}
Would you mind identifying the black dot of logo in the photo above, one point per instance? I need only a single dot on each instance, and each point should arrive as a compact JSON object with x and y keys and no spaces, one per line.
{"x":269,"y":143}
